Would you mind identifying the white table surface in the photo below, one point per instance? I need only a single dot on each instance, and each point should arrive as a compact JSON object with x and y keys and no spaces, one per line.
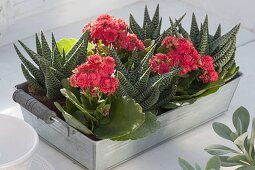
{"x":189,"y":145}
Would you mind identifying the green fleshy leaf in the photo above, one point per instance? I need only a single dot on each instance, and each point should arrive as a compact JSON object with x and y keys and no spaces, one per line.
{"x":213,"y":164}
{"x":149,"y":126}
{"x":66,"y":44}
{"x":125,"y":117}
{"x":241,"y":120}
{"x":222,"y":130}
{"x":72,"y":121}
{"x":219,"y":150}
{"x":72,"y":98}
{"x":188,"y":99}
{"x":185,"y":165}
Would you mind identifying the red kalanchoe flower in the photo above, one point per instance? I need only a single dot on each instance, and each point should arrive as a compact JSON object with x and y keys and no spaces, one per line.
{"x":182,"y":51}
{"x":96,"y":74}
{"x":160,"y":63}
{"x":113,"y":31}
{"x":209,"y":74}
{"x":108,"y":85}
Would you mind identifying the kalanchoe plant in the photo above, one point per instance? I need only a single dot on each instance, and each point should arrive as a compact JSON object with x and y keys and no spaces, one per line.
{"x":52,"y":65}
{"x":241,"y":158}
{"x":95,"y":110}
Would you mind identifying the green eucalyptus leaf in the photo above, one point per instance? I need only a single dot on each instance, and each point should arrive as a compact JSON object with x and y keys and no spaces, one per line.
{"x":251,"y":167}
{"x":241,"y":139}
{"x":244,"y":116}
{"x":239,"y":157}
{"x":222,"y":130}
{"x":213,"y":164}
{"x":66,"y":44}
{"x":72,"y":121}
{"x":149,"y":126}
{"x":185,"y":165}
{"x":229,"y":163}
{"x":252,"y":139}
{"x":125,"y":117}
{"x":197,"y":167}
{"x":219,"y":150}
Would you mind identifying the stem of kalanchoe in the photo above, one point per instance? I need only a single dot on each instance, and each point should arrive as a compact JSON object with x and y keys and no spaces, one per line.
{"x":251,"y":161}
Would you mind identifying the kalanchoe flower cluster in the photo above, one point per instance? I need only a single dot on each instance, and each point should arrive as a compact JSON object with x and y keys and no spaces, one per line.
{"x":208,"y":74}
{"x":113,"y":31}
{"x":182,"y":51}
{"x":95,"y":75}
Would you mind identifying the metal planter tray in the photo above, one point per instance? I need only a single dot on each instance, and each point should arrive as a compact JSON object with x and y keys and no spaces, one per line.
{"x":105,"y":154}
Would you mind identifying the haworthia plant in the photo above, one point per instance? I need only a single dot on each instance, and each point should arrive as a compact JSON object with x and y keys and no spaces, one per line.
{"x":220,"y":47}
{"x":242,"y":157}
{"x":135,"y":82}
{"x":51,"y":65}
{"x":151,"y":26}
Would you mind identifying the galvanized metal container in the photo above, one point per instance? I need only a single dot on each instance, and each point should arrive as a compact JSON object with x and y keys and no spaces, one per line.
{"x":105,"y":154}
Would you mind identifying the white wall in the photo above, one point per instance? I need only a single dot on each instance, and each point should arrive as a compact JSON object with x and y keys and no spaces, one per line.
{"x":234,"y":10}
{"x":30,"y":16}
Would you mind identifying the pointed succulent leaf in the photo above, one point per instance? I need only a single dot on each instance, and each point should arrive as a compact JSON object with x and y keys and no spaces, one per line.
{"x":217,"y":33}
{"x":37,"y":74}
{"x":194,"y":31}
{"x":151,"y":100}
{"x":83,"y":38}
{"x":119,"y":66}
{"x":134,"y":26}
{"x":53,"y":85}
{"x":148,"y":31}
{"x":155,"y":19}
{"x":133,"y":77}
{"x":140,"y":85}
{"x":156,"y":32}
{"x":33,"y":82}
{"x":221,"y":52}
{"x":227,"y":66}
{"x":117,"y":127}
{"x":46,"y":51}
{"x":221,"y":41}
{"x":203,"y":48}
{"x":227,"y":56}
{"x":219,"y":150}
{"x":34,"y":56}
{"x":165,"y":97}
{"x":149,"y":126}
{"x":243,"y":115}
{"x":144,"y":95}
{"x":121,"y":91}
{"x":147,"y":19}
{"x":38,"y":45}
{"x":72,"y":121}
{"x":127,"y":86}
